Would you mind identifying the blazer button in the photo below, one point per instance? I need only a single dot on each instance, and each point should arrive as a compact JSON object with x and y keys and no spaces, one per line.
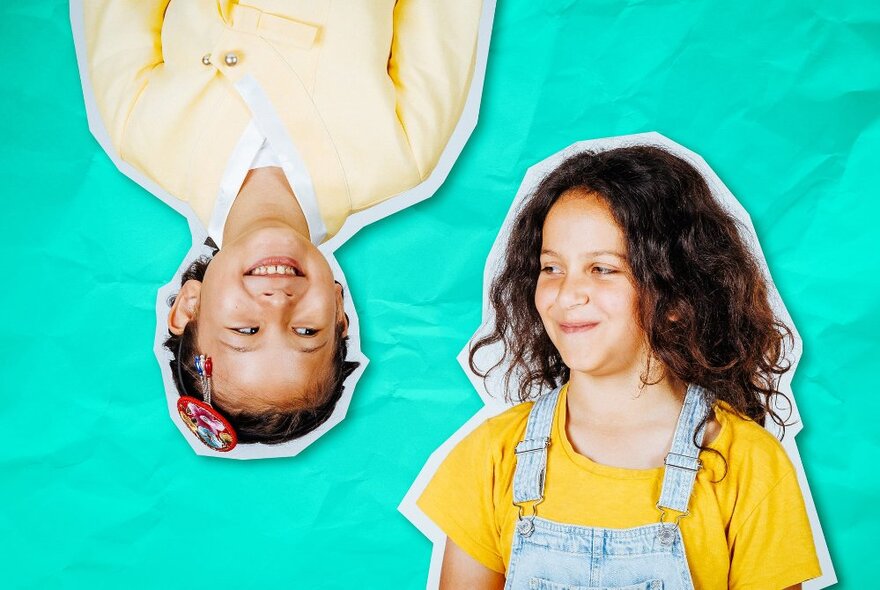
{"x":206,"y":59}
{"x":231,"y":59}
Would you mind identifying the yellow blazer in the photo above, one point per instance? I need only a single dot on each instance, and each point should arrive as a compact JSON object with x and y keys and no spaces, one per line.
{"x":369,"y":91}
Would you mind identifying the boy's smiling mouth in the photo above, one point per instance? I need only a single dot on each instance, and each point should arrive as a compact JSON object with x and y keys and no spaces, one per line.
{"x":281,"y":266}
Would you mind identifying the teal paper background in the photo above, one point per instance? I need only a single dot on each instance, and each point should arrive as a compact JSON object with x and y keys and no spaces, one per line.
{"x":100,"y":490}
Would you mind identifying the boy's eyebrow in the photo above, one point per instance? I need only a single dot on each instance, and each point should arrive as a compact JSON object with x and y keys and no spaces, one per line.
{"x":593,"y":253}
{"x":307,"y":350}
{"x":235,"y":348}
{"x":314,"y":348}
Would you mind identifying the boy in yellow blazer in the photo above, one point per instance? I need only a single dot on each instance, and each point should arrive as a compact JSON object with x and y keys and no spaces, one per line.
{"x":275,"y":120}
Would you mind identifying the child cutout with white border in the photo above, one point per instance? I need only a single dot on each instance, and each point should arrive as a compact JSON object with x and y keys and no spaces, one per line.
{"x":631,"y":319}
{"x":278,"y":129}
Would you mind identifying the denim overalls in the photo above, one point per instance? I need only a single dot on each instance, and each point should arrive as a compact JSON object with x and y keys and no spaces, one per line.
{"x":547,"y":555}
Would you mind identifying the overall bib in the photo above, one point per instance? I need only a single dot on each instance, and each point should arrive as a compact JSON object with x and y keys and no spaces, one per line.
{"x":547,"y":555}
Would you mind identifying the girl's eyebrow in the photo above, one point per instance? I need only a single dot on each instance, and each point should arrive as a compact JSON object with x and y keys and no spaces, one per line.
{"x":593,"y":254}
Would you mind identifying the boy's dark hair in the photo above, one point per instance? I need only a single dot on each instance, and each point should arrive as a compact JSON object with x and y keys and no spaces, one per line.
{"x":702,"y":296}
{"x":272,"y":426}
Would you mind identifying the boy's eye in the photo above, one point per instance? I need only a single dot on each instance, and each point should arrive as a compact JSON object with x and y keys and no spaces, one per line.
{"x":305,"y":331}
{"x":247,"y":331}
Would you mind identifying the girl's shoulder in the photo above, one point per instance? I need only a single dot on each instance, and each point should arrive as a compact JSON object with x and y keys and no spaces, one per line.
{"x":756,"y":489}
{"x":495,"y":438}
{"x":499,"y":432}
{"x":748,"y":452}
{"x":510,"y":422}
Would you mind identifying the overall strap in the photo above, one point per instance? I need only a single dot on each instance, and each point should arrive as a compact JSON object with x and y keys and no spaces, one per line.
{"x":531,"y":452}
{"x":683,"y":460}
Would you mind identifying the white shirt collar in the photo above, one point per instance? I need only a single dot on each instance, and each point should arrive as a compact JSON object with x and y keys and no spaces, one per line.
{"x":265,"y":142}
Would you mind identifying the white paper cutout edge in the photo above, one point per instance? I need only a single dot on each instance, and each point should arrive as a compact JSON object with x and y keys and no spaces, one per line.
{"x":462,"y":132}
{"x":494,"y":405}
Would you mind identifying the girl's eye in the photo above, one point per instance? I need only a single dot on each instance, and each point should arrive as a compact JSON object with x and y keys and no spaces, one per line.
{"x":247,"y":331}
{"x":603,"y":270}
{"x":305,"y":331}
{"x":549,"y":269}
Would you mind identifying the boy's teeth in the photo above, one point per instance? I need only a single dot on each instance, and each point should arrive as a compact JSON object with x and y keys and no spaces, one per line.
{"x":274,"y":269}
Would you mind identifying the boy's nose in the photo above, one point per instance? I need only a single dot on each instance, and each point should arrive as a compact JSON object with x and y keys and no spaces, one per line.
{"x":278,"y":296}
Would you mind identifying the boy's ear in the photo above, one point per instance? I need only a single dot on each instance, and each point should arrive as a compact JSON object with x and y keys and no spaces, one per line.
{"x":185,"y":307}
{"x":341,"y":316}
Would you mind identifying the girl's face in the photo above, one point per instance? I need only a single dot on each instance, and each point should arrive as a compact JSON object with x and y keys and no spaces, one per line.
{"x":585,"y":293}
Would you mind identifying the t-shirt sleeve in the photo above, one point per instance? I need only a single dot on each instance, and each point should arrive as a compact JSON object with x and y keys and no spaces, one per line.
{"x":773,"y":547}
{"x":460,"y":499}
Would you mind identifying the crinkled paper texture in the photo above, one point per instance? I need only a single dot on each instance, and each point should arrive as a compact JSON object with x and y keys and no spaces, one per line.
{"x":99,"y":489}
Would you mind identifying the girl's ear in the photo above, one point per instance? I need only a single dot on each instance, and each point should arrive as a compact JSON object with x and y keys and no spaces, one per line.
{"x":185,"y":307}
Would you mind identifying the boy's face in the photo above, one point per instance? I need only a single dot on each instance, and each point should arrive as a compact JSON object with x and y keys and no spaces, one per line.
{"x":267,"y":312}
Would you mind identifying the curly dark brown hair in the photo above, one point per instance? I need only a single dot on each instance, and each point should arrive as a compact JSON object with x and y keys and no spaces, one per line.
{"x":702,"y":295}
{"x":272,"y":425}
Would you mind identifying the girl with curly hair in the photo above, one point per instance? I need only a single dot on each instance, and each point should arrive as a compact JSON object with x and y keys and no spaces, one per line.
{"x":637,"y":333}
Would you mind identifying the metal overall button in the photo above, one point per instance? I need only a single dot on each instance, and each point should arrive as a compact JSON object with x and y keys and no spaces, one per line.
{"x":526,"y":526}
{"x":666,"y":534}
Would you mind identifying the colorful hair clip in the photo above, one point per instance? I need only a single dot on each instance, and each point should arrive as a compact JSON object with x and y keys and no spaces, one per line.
{"x":201,"y":418}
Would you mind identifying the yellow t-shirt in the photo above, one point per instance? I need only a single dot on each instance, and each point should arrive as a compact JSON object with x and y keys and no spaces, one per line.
{"x":748,"y":530}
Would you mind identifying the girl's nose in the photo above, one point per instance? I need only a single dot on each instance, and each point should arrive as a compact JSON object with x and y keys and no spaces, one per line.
{"x":574,"y":291}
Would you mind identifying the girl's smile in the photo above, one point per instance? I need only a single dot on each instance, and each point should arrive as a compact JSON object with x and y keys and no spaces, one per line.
{"x":572,"y":328}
